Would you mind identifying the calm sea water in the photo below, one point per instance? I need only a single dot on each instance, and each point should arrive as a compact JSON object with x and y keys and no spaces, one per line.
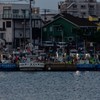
{"x":50,"y":85}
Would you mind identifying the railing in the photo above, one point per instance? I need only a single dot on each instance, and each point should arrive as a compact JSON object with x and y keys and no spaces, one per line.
{"x":36,"y":16}
{"x":6,"y":16}
{"x":91,"y":9}
{"x":20,"y":16}
{"x":1,"y":29}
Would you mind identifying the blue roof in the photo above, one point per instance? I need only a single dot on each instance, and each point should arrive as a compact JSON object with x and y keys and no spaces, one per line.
{"x":96,"y":21}
{"x":94,"y":16}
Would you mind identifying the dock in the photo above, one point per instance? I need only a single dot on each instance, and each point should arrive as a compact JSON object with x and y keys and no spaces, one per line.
{"x":60,"y":67}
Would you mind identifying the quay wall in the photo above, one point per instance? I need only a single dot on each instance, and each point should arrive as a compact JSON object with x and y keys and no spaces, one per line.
{"x":60,"y":67}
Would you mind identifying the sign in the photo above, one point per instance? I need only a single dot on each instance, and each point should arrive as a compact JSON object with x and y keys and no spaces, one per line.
{"x":91,"y":44}
{"x":8,"y":65}
{"x":84,"y":61}
{"x":86,"y":65}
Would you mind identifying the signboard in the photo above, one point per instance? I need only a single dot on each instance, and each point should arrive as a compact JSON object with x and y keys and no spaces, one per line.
{"x":86,"y":65}
{"x":91,"y":44}
{"x":8,"y":65}
{"x":84,"y":61}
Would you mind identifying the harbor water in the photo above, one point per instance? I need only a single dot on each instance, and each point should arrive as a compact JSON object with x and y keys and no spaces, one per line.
{"x":77,"y":85}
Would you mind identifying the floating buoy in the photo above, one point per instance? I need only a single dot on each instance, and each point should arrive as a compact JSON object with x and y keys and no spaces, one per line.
{"x":49,"y":68}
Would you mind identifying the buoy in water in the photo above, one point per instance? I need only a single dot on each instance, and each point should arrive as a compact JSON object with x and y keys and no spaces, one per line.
{"x":49,"y":68}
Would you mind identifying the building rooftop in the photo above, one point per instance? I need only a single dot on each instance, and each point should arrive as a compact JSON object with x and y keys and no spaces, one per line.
{"x":78,"y":21}
{"x":94,"y":16}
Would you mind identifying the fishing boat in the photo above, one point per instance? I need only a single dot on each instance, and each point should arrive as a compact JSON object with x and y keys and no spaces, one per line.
{"x":6,"y":64}
{"x":85,"y":65}
{"x":31,"y":64}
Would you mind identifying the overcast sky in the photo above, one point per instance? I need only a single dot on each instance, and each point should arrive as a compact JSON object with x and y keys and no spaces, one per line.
{"x":44,"y":4}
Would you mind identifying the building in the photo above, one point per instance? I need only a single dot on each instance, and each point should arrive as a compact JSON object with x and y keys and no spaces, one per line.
{"x":61,"y":28}
{"x":80,"y":8}
{"x":15,"y":24}
{"x":95,"y":20}
{"x":47,"y":17}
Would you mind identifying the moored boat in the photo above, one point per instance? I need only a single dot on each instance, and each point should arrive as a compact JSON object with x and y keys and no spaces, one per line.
{"x":6,"y":64}
{"x":31,"y":64}
{"x":85,"y":65}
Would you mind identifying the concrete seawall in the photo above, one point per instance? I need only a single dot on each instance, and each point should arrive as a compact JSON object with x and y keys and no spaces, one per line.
{"x":60,"y":67}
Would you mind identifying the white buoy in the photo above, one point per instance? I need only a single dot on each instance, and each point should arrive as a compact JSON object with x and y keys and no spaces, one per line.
{"x":49,"y":68}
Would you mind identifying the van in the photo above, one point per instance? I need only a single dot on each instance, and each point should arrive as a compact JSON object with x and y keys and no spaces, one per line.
{"x":73,"y":53}
{"x":48,"y":43}
{"x":61,"y":44}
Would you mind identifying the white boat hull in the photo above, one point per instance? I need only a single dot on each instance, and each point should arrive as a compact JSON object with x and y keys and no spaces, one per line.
{"x":31,"y":66}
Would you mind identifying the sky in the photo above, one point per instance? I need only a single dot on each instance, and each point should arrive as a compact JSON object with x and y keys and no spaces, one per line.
{"x":44,"y":4}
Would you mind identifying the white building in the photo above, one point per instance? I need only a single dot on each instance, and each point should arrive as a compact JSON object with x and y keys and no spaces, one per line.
{"x":47,"y":17}
{"x":15,"y":23}
{"x":80,"y":8}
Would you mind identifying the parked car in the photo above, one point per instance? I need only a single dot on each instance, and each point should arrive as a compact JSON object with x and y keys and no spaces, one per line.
{"x":61,"y":44}
{"x":80,"y":46}
{"x":85,"y":54}
{"x":73,"y":53}
{"x":73,"y":44}
{"x":48,"y":43}
{"x":93,"y":53}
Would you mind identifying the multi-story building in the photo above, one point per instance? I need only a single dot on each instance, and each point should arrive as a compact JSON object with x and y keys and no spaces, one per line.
{"x":80,"y":8}
{"x":15,"y":24}
{"x":47,"y":17}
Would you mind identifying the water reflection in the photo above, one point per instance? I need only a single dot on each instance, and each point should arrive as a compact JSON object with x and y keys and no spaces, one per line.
{"x":78,"y":73}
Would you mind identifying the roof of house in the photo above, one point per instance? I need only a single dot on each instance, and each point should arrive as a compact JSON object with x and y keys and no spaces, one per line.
{"x":81,"y":22}
{"x":78,"y":21}
{"x":96,"y":22}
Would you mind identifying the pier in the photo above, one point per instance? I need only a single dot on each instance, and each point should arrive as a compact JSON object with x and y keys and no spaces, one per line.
{"x":60,"y":67}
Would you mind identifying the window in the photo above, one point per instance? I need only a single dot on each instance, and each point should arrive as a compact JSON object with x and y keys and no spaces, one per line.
{"x":15,"y":11}
{"x":3,"y":25}
{"x":2,"y":35}
{"x":44,"y":29}
{"x":8,"y":24}
{"x":91,"y":13}
{"x":6,"y":7}
{"x":7,"y":12}
{"x":83,"y":13}
{"x":91,"y":6}
{"x":83,"y":6}
{"x":50,"y":29}
{"x":74,"y":7}
{"x":74,"y":14}
{"x":58,"y":28}
{"x":36,"y":21}
{"x":27,"y":14}
{"x":70,"y":38}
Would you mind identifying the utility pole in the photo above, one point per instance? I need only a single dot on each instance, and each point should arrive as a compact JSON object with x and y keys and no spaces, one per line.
{"x":45,"y":10}
{"x":24,"y":23}
{"x":30,"y":23}
{"x":41,"y":31}
{"x":24,"y":11}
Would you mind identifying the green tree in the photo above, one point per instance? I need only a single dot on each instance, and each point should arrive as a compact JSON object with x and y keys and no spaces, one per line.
{"x":80,"y":33}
